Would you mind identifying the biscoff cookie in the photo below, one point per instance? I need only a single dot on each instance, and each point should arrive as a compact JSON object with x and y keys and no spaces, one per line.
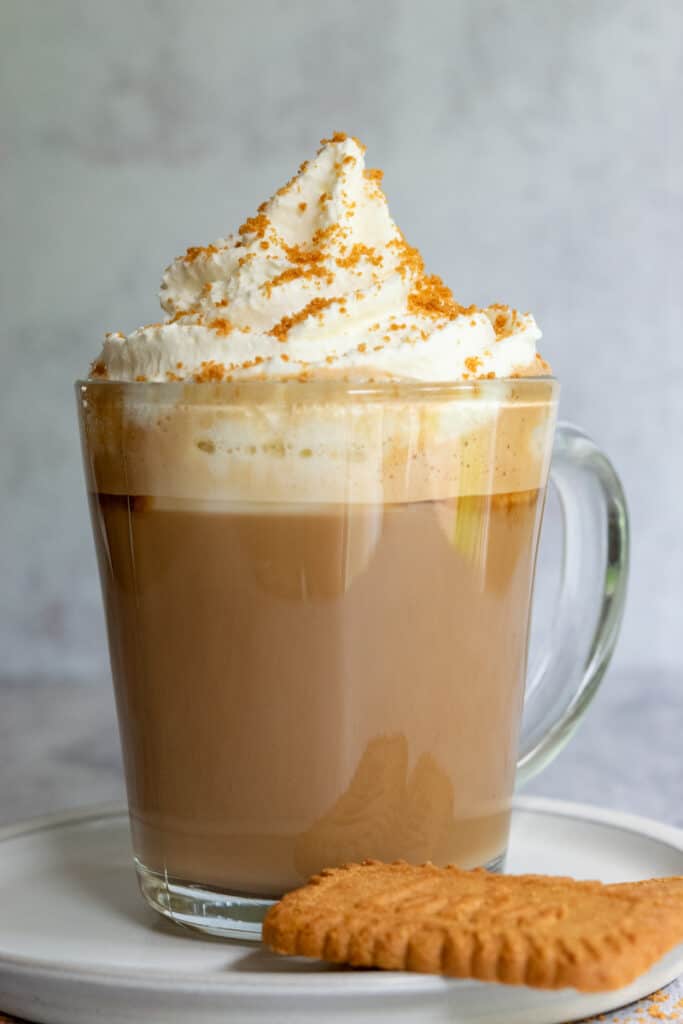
{"x":538,"y":930}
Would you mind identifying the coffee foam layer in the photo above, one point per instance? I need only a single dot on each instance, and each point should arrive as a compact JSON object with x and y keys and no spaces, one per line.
{"x":290,"y":449}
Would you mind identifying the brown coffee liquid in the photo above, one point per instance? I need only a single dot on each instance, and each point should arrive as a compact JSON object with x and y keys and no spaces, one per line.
{"x":304,"y":687}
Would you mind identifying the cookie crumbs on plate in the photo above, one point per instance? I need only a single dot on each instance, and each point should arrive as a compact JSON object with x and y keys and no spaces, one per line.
{"x":649,"y":1008}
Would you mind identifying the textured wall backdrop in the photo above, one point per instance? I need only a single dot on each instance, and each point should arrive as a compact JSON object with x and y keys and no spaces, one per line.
{"x":532,"y":149}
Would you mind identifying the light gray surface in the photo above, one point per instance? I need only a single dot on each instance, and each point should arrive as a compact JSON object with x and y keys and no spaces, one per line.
{"x":532,"y":149}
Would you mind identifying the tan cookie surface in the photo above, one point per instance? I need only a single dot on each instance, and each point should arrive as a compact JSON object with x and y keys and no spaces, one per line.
{"x":539,"y":930}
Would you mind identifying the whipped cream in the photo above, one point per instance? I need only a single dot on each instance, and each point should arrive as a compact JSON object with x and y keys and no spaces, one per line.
{"x":319,"y":283}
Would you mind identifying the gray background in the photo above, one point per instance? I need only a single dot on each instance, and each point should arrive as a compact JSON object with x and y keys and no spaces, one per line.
{"x":533,"y":150}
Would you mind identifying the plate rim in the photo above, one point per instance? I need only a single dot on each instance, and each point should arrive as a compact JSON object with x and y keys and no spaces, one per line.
{"x":624,"y":821}
{"x":278,"y":983}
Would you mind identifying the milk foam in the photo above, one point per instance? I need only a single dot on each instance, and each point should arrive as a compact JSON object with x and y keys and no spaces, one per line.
{"x":303,"y":443}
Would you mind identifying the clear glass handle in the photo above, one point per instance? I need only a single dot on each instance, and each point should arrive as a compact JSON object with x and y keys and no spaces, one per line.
{"x":591,"y":598}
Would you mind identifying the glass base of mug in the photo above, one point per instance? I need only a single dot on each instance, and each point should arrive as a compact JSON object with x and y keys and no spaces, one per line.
{"x":214,"y":911}
{"x":202,"y":908}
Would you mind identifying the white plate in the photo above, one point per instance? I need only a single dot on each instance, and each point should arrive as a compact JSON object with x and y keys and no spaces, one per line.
{"x":78,"y":945}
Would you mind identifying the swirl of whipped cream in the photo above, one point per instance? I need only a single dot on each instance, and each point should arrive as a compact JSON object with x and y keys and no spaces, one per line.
{"x":319,"y":283}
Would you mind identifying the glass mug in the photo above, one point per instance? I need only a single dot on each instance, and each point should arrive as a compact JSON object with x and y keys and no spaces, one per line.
{"x":318,"y":599}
